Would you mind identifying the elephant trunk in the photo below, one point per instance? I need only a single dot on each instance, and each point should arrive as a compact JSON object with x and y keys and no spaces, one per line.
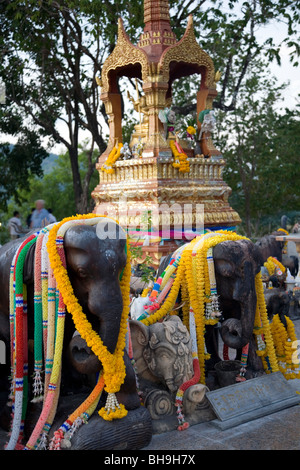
{"x":236,"y":332}
{"x":104,"y":313}
{"x":109,"y":319}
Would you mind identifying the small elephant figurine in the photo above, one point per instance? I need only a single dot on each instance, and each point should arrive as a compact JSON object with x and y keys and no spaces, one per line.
{"x":163,"y":359}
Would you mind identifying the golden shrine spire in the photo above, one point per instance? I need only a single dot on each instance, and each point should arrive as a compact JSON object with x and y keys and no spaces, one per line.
{"x":156,"y":12}
{"x":147,"y":170}
{"x":157,"y":29}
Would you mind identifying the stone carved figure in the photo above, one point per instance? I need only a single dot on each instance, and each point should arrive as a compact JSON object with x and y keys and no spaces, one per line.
{"x":168,"y":117}
{"x":126,"y":152}
{"x":208,"y":122}
{"x":163,"y":360}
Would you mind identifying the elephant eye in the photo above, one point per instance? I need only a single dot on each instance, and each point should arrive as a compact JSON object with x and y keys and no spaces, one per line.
{"x":82,"y":273}
{"x":224,"y":267}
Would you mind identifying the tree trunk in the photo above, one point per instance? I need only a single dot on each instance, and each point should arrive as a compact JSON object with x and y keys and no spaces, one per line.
{"x":77,"y":186}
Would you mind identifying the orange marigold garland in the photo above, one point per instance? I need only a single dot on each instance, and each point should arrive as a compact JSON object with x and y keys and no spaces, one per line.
{"x":195,"y":278}
{"x":113,"y":364}
{"x":108,"y":165}
{"x":180,"y":158}
{"x":285,"y":341}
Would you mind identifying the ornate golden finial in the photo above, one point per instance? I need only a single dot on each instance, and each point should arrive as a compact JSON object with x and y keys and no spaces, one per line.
{"x":218,"y":76}
{"x":98,"y":81}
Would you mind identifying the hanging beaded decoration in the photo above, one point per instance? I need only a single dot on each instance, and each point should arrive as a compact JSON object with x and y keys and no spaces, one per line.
{"x":244,"y":358}
{"x":50,"y":293}
{"x":183,"y":424}
{"x":212,"y":304}
{"x":19,"y":345}
{"x":194,"y":276}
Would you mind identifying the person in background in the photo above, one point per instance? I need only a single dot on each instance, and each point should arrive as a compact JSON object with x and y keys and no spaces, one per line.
{"x":40,"y":216}
{"x":52,"y":218}
{"x":15,"y":226}
{"x":28,"y":220}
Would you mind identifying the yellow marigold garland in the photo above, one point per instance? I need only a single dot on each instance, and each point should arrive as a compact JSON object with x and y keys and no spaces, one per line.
{"x":185,"y":305}
{"x":180,"y":159}
{"x":258,"y":332}
{"x":113,"y":364}
{"x":111,"y":159}
{"x":262,"y":309}
{"x":284,"y":341}
{"x":272,"y":264}
{"x":283,"y":230}
{"x":193,"y":280}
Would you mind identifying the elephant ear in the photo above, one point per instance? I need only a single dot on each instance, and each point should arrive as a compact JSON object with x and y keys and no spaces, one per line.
{"x":257,"y":257}
{"x":140,"y":335}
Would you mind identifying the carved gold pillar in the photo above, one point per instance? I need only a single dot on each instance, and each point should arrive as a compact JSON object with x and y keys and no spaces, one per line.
{"x":112,"y":102}
{"x":155,"y":93}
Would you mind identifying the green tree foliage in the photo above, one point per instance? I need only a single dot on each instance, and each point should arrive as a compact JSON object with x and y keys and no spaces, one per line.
{"x":260,"y":144}
{"x":56,"y":186}
{"x":52,"y":50}
{"x":18,"y":163}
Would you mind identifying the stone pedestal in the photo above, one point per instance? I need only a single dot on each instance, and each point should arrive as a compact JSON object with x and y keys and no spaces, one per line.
{"x":151,"y":187}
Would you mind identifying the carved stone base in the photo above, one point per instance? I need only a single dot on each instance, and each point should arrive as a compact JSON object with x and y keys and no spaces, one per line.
{"x":130,"y":433}
{"x":160,"y":404}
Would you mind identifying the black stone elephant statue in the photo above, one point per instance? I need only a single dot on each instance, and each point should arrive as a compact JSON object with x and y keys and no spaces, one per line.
{"x":236,"y":264}
{"x":94,"y":265}
{"x":268,"y":245}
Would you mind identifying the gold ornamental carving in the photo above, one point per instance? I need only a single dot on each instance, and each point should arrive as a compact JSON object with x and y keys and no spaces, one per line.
{"x":187,"y":50}
{"x":124,"y":53}
{"x":148,"y":180}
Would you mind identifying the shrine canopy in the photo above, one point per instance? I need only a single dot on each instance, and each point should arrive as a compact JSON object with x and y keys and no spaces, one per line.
{"x":163,"y":167}
{"x":157,"y":60}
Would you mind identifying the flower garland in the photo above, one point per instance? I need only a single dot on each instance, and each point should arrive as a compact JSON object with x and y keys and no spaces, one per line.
{"x":113,"y":364}
{"x":18,"y":310}
{"x":64,"y":434}
{"x":180,"y":158}
{"x":286,"y":233}
{"x":285,"y":340}
{"x":258,"y":332}
{"x":183,"y":424}
{"x":111,"y":159}
{"x":145,"y":292}
{"x":274,"y":266}
{"x":283,"y":230}
{"x":262,"y":327}
{"x":52,"y":289}
{"x":194,"y":277}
